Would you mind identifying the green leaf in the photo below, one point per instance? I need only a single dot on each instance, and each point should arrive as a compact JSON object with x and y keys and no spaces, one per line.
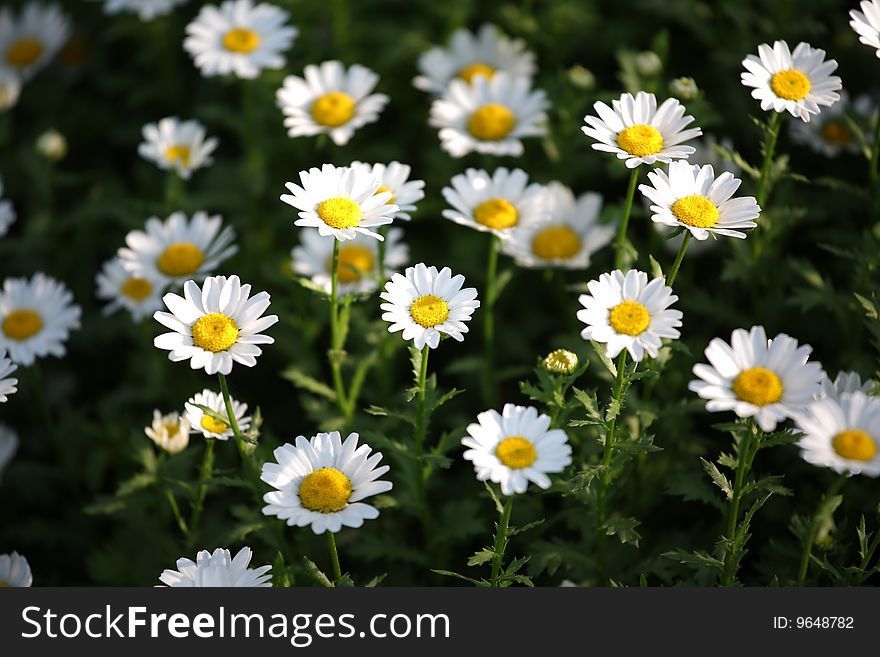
{"x":607,"y":362}
{"x":499,"y":505}
{"x":482,"y":556}
{"x":280,"y":577}
{"x":698,"y":558}
{"x":656,"y":269}
{"x":513,"y":531}
{"x":317,"y":574}
{"x":449,"y":573}
{"x":717,"y":478}
{"x":378,"y":579}
{"x":867,"y":305}
{"x":624,"y":529}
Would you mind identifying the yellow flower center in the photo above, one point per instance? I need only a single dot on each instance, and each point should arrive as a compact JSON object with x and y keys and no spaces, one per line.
{"x":137,"y":288}
{"x":496,"y":213}
{"x":179,"y":153}
{"x":24,"y":52}
{"x":429,"y":311}
{"x":333,"y":108}
{"x":340,"y":212}
{"x":491,"y":122}
{"x":22,"y":324}
{"x":516,"y":452}
{"x":790,"y":85}
{"x":854,"y":444}
{"x":758,"y":386}
{"x":383,"y":188}
{"x":629,"y":318}
{"x":695,"y":210}
{"x":325,"y":490}
{"x":836,"y":134}
{"x":180,"y":259}
{"x":214,"y":332}
{"x":354,"y":261}
{"x":241,"y":39}
{"x":477,"y":68}
{"x":212,"y":425}
{"x":640,"y":140}
{"x":172,"y":428}
{"x":556,"y":243}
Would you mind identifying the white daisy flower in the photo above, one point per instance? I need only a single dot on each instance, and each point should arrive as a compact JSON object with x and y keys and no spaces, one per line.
{"x":146,"y":10}
{"x":239,"y":38}
{"x":340,"y":202}
{"x":178,"y":248}
{"x":639,"y":132}
{"x":691,"y":197}
{"x":7,"y":213}
{"x":211,"y":427}
{"x":216,"y":325}
{"x":797,"y":82}
{"x":844,"y":383}
{"x":178,"y":145}
{"x":358,"y":261}
{"x":170,"y":432}
{"x":36,"y":317}
{"x":7,"y":385}
{"x":30,"y":40}
{"x":625,"y":311}
{"x":423,"y":303}
{"x":8,"y":446}
{"x":218,"y":569}
{"x":569,"y":236}
{"x":769,"y":380}
{"x":471,"y":55}
{"x":14,"y":571}
{"x":330,"y":99}
{"x":322,"y":482}
{"x":866,"y":23}
{"x":394,"y":178}
{"x":830,"y":134}
{"x":515,"y":447}
{"x":842,"y":434}
{"x":489,"y":116}
{"x":140,"y":296}
{"x":10,"y":89}
{"x":497,"y":204}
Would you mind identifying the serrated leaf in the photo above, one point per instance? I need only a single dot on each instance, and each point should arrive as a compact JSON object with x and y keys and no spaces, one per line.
{"x":718,"y":478}
{"x":481,"y":556}
{"x":449,"y":573}
{"x":624,"y":529}
{"x":280,"y":578}
{"x":607,"y":362}
{"x":513,"y":531}
{"x":317,"y":574}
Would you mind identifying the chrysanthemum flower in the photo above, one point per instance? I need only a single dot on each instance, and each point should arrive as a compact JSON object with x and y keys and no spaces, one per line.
{"x":8,"y":446}
{"x":218,"y":569}
{"x":515,"y":447}
{"x":7,"y":385}
{"x":830,"y":134}
{"x":471,"y":55}
{"x":7,"y":213}
{"x":178,"y":145}
{"x":140,"y":296}
{"x":625,"y":311}
{"x":30,"y":40}
{"x":330,"y":99}
{"x":146,"y":10}
{"x":845,"y":382}
{"x":842,"y":434}
{"x":569,"y":235}
{"x":14,"y":571}
{"x":340,"y":202}
{"x":769,"y":380}
{"x":798,"y":82}
{"x":866,"y":23}
{"x":639,"y":132}
{"x":10,"y":89}
{"x":561,"y":361}
{"x":240,"y":38}
{"x":36,"y":317}
{"x":211,"y":427}
{"x":692,"y":197}
{"x":489,"y":116}
{"x":394,"y":178}
{"x":497,"y":204}
{"x":178,"y":249}
{"x":358,"y":261}
{"x":170,"y":432}
{"x":322,"y":482}
{"x":424,"y":303}
{"x":216,"y":325}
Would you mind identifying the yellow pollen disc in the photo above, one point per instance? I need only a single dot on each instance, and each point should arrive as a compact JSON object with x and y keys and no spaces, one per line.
{"x":429,"y":311}
{"x":325,"y":490}
{"x":22,"y":324}
{"x":758,"y":386}
{"x":695,"y":210}
{"x":836,"y":134}
{"x":340,"y":212}
{"x":790,"y":85}
{"x":137,"y":288}
{"x":383,"y":188}
{"x":24,"y":52}
{"x":241,"y":39}
{"x":516,"y":452}
{"x":477,"y":68}
{"x":640,"y":140}
{"x":491,"y":122}
{"x":180,"y":259}
{"x":629,"y":318}
{"x":210,"y":424}
{"x":175,"y":154}
{"x":173,"y":427}
{"x":496,"y":213}
{"x":333,"y":109}
{"x":214,"y":332}
{"x":354,"y":261}
{"x":854,"y":444}
{"x":556,"y":243}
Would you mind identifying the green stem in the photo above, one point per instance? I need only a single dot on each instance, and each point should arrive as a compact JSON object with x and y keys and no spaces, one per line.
{"x":814,"y":528}
{"x":620,"y":242}
{"x":421,"y":431}
{"x":769,"y":151}
{"x":866,"y":559}
{"x":205,"y":473}
{"x":174,"y":191}
{"x":335,"y":354}
{"x":501,"y":541}
{"x":168,"y":494}
{"x":678,"y":258}
{"x":745,"y":456}
{"x":334,"y":558}
{"x":489,"y":383}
